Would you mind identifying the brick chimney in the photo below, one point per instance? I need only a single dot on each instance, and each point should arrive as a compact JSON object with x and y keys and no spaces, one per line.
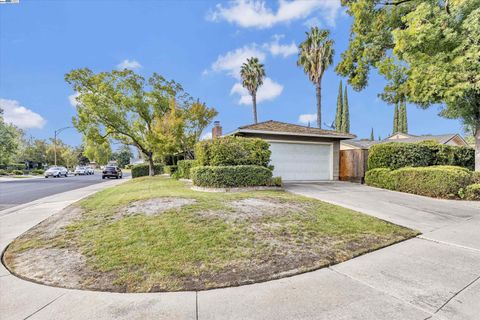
{"x":217,"y":130}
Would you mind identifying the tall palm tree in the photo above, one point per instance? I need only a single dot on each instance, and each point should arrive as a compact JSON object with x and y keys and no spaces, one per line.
{"x":315,"y":56}
{"x":252,"y":73}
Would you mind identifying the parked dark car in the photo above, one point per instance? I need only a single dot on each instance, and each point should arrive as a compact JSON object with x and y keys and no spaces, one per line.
{"x":110,"y":172}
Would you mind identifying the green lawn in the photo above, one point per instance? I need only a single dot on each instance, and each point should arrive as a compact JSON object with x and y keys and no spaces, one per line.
{"x":213,"y":240}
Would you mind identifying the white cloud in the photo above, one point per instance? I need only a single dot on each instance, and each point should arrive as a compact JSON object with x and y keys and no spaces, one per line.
{"x":284,"y":50}
{"x":129,"y":64}
{"x":268,"y":91}
{"x":232,"y":61}
{"x":73,"y":99}
{"x":307,"y":118}
{"x":206,"y":136}
{"x":255,"y":13}
{"x":20,"y":116}
{"x":312,"y":22}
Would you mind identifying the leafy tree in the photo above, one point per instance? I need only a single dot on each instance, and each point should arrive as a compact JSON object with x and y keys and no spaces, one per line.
{"x":197,"y":116}
{"x":372,"y":137}
{"x":315,"y":56}
{"x":34,"y":150}
{"x":252,"y":73}
{"x":97,"y":150}
{"x":70,"y":157}
{"x":338,"y":114}
{"x":429,"y":52}
{"x":345,"y":113}
{"x":123,"y":106}
{"x":122,"y":156}
{"x":9,"y":140}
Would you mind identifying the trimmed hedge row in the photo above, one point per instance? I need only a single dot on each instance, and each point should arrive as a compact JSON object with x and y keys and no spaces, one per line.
{"x":142,"y":170}
{"x":170,"y":169}
{"x":395,"y":155}
{"x":184,"y":167}
{"x":231,"y":176}
{"x":233,"y":151}
{"x":434,"y":181}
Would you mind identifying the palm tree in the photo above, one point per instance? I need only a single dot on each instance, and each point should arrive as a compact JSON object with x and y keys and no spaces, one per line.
{"x":252,"y":73}
{"x":315,"y":56}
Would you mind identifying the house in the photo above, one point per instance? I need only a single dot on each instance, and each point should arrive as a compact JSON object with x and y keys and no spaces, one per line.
{"x":299,"y":153}
{"x":452,"y":139}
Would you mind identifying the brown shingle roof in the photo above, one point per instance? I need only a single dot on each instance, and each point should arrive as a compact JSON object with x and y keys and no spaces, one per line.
{"x":278,"y":127}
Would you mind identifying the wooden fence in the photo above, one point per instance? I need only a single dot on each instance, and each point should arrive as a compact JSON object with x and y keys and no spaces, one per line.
{"x":353,"y":164}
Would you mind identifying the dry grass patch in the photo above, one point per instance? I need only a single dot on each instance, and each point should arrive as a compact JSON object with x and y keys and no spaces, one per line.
{"x":155,"y":234}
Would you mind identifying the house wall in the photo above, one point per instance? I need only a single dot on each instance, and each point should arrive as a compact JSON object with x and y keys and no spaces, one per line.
{"x":335,"y":143}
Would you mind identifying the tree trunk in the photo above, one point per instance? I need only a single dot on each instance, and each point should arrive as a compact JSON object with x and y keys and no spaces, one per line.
{"x":477,"y":147}
{"x":151,"y":172}
{"x":254,"y":102}
{"x":319,"y":104}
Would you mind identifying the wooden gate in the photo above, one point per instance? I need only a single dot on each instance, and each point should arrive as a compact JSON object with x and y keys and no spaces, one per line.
{"x":353,"y":164}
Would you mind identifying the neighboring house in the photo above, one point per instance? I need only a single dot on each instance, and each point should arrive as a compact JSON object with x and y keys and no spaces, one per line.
{"x":453,"y":139}
{"x":299,"y":153}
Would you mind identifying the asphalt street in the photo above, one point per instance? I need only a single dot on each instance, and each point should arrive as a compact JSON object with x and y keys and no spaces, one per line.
{"x":14,"y":193}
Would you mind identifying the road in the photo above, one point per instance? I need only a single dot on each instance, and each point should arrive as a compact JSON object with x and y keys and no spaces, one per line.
{"x":13,"y":193}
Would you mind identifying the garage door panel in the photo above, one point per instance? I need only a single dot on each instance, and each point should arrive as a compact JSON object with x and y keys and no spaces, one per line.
{"x":301,"y":161}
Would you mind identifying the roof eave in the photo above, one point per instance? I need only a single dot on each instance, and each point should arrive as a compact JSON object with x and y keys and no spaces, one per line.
{"x":283,"y":133}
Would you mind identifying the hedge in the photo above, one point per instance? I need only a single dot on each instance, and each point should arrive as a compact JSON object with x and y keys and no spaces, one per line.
{"x":434,"y":181}
{"x":17,"y":172}
{"x":233,"y":151}
{"x":38,"y":171}
{"x":184,"y":167}
{"x":231,"y":176}
{"x":472,"y":192}
{"x":395,"y":155}
{"x":476,"y":177}
{"x":141,"y":170}
{"x":3,"y":172}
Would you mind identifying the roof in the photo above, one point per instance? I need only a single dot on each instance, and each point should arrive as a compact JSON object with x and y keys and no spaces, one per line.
{"x":441,"y":138}
{"x":283,"y":128}
{"x":361,"y":144}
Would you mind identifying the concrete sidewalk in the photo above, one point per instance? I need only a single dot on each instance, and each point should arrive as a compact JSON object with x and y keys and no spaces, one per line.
{"x":416,"y":279}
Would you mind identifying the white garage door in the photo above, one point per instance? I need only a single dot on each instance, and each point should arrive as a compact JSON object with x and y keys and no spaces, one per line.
{"x":301,"y":161}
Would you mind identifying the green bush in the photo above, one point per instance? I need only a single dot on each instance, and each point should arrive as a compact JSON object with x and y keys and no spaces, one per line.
{"x":395,"y":155}
{"x":472,"y":192}
{"x":276,"y":182}
{"x":142,"y":170}
{"x":184,"y":167}
{"x":17,"y":172}
{"x":16,"y":166}
{"x":379,"y":177}
{"x":129,"y":166}
{"x":233,"y":151}
{"x":170,"y":169}
{"x":434,"y":181}
{"x":3,"y":172}
{"x":231,"y":176}
{"x":476,"y":177}
{"x":37,"y":171}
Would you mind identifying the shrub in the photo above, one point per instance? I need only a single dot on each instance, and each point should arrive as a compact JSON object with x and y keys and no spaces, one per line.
{"x":379,"y":177}
{"x":129,"y":166}
{"x":276,"y":182}
{"x":231,"y":176}
{"x":17,"y":172}
{"x":184,"y":167}
{"x":141,"y":170}
{"x":476,"y":177}
{"x":434,"y":181}
{"x":233,"y":151}
{"x":3,"y":172}
{"x":170,"y":169}
{"x":16,"y":166}
{"x":472,"y":192}
{"x":37,"y":171}
{"x":395,"y":155}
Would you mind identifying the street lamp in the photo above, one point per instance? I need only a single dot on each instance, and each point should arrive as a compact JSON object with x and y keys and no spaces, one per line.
{"x":56,"y":132}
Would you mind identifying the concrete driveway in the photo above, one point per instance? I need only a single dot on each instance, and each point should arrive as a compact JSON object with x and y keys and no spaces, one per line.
{"x":435,"y":278}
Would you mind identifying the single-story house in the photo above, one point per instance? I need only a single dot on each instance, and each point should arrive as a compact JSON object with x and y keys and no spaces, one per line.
{"x":452,"y":139}
{"x":299,"y":153}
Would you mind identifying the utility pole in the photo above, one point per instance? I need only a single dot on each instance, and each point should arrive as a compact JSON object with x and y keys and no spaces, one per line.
{"x":56,"y":133}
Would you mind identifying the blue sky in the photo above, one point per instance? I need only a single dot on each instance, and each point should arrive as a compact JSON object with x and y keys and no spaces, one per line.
{"x":197,"y":43}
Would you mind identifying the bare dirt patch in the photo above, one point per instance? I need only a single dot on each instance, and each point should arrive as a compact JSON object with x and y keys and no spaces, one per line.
{"x":156,"y":206}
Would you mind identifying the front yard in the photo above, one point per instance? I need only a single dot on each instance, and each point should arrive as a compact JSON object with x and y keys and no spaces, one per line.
{"x":155,"y":234}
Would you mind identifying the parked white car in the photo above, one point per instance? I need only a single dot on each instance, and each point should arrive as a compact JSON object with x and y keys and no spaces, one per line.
{"x":89,"y":170}
{"x":56,"y":172}
{"x":80,"y":171}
